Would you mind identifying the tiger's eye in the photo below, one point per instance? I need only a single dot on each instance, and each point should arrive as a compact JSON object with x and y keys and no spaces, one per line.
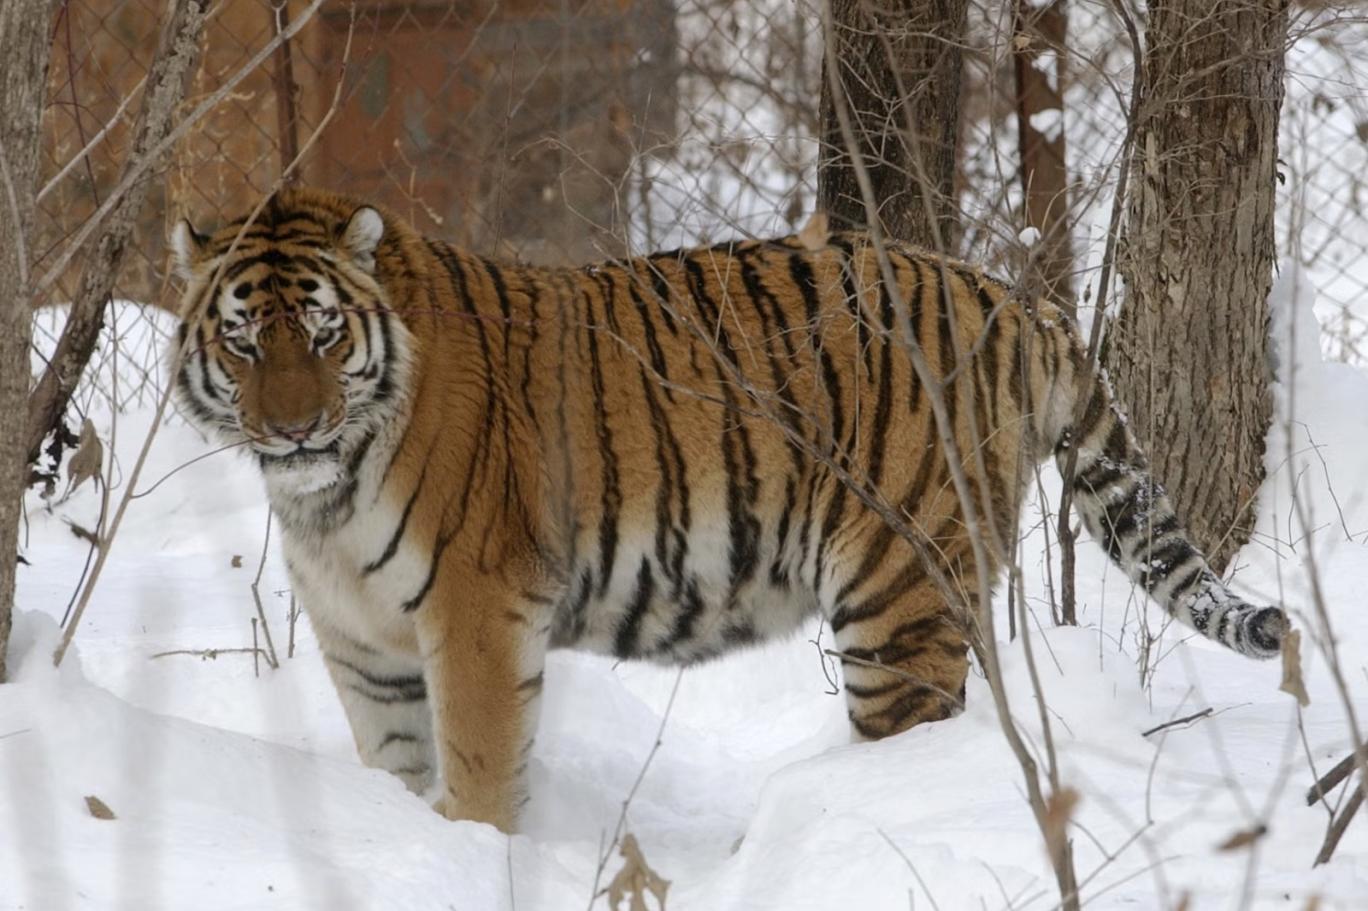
{"x":242,"y":291}
{"x":308,"y":285}
{"x":324,"y":338}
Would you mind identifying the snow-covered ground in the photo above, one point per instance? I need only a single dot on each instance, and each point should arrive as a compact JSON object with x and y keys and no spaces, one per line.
{"x":232,"y":790}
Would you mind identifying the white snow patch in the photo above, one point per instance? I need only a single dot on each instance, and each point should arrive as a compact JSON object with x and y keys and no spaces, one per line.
{"x":1048,"y":123}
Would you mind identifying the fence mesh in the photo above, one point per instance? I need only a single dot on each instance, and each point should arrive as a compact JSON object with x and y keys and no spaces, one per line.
{"x":560,"y":131}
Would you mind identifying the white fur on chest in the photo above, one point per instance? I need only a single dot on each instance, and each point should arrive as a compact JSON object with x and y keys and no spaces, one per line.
{"x":329,"y":574}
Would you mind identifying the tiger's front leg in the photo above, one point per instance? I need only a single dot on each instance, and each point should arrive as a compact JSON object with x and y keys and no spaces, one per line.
{"x":385,"y":698}
{"x":484,"y":647}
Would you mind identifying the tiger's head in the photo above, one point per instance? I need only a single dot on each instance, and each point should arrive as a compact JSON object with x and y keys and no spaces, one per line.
{"x":290,"y":345}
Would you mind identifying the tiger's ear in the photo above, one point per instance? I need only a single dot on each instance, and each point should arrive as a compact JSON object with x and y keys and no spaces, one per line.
{"x":187,"y":248}
{"x":361,"y":236}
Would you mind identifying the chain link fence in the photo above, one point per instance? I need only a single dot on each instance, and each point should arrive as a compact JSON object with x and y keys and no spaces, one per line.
{"x":560,"y":131}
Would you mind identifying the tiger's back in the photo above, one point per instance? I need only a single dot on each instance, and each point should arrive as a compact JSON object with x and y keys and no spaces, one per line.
{"x":657,"y":458}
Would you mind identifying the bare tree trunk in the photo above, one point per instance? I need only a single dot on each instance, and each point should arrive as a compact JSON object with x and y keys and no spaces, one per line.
{"x":1039,"y":65}
{"x":900,"y":66}
{"x":1189,"y":351}
{"x":25,"y":36}
{"x":286,"y":92}
{"x":177,"y":55}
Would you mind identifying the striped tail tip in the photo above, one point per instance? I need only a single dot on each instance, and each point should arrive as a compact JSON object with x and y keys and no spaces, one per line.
{"x":1259,"y":632}
{"x":1223,"y":616}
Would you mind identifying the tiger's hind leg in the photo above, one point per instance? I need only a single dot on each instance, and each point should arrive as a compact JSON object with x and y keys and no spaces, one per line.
{"x":904,"y":651}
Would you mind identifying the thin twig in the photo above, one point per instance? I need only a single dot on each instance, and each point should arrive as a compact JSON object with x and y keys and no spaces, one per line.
{"x":828,"y":667}
{"x":271,"y":658}
{"x":186,"y":464}
{"x":94,"y":141}
{"x":1195,"y":716}
{"x":1332,"y":778}
{"x":1340,"y":823}
{"x":294,"y":616}
{"x":627,"y":802}
{"x":896,"y":672}
{"x":210,"y":653}
{"x":908,"y":861}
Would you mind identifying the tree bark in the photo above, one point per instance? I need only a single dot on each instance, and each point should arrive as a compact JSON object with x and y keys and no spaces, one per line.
{"x":177,"y":55}
{"x":1039,"y":65}
{"x":900,"y":64}
{"x":1189,"y":350}
{"x":25,"y":34}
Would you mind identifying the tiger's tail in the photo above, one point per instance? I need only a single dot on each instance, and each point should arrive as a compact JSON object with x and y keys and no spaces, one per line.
{"x":1129,"y":514}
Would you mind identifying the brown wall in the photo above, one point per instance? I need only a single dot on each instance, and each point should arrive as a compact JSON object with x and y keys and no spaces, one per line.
{"x":503,"y":126}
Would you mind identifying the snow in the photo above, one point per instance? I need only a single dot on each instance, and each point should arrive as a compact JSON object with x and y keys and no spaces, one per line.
{"x":1049,"y":123}
{"x":1029,"y":236}
{"x":1047,"y":63}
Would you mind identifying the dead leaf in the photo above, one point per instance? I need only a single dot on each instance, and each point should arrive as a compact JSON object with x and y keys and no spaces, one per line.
{"x":236,"y":561}
{"x":1021,"y":42}
{"x":815,"y":234}
{"x":635,"y":879}
{"x":1292,"y":681}
{"x":1243,"y":838}
{"x":98,"y":808}
{"x":89,"y":457}
{"x":1313,"y":903}
{"x":1184,"y":903}
{"x":1058,"y":811}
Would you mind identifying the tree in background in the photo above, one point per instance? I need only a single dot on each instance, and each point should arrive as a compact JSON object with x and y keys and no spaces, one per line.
{"x":1039,"y":34}
{"x":899,"y":68}
{"x":25,"y":36}
{"x":1189,"y":349}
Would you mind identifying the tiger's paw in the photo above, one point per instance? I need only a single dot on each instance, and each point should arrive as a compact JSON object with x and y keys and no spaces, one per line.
{"x":446,"y":805}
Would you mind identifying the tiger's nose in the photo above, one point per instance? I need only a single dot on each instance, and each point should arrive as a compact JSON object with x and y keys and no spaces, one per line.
{"x":296,"y":432}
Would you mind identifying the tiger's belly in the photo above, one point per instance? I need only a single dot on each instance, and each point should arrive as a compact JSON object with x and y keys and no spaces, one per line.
{"x":680,"y":611}
{"x":683,"y":603}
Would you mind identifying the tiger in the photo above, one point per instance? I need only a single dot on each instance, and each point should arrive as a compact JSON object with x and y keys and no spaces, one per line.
{"x":663,"y":457}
